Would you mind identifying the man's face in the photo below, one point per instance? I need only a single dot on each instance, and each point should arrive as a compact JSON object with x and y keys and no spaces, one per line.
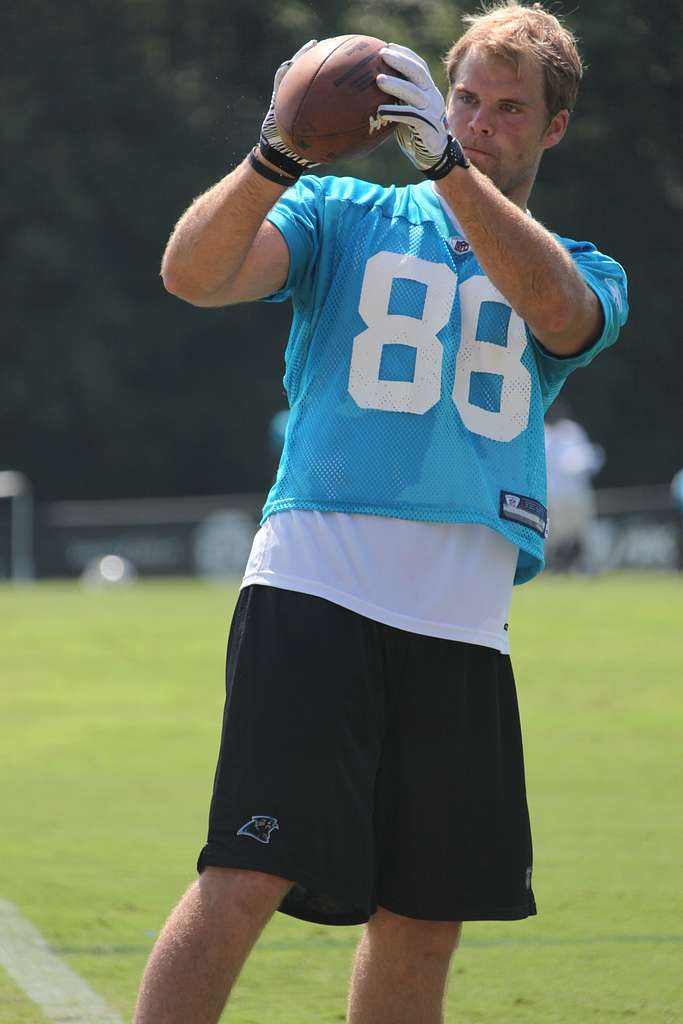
{"x":501,"y":120}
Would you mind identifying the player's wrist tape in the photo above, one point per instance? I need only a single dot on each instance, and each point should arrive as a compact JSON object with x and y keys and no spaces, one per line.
{"x":281,"y":160}
{"x":268,"y":172}
{"x":452,"y":156}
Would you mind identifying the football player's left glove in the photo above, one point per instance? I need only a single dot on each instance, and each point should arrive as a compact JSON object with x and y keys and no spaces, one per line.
{"x":420,"y":114}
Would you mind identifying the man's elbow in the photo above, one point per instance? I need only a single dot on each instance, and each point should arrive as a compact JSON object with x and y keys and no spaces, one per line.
{"x":182,"y":288}
{"x":173,"y":284}
{"x":174,"y":280}
{"x":570,"y":331}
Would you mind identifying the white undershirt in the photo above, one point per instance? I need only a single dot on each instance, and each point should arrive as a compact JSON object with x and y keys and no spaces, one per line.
{"x":451,"y":580}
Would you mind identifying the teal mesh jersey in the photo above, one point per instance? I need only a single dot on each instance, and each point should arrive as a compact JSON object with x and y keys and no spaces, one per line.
{"x":415,"y":390}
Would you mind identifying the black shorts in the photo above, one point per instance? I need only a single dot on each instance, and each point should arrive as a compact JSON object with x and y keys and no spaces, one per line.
{"x":369,"y":765}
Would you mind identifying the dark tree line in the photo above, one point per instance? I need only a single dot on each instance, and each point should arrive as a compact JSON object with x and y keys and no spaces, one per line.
{"x":116,"y":114}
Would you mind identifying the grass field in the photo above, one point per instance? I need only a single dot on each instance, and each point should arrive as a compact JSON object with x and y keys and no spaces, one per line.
{"x":110,"y":706}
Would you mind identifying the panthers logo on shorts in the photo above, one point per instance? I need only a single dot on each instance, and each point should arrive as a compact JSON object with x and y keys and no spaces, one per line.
{"x":259,"y":827}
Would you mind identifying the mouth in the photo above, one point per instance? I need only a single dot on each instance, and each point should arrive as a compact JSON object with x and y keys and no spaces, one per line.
{"x":479,"y":152}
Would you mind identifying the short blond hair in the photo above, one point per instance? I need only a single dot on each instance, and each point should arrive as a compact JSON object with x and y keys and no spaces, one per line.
{"x":510,"y":30}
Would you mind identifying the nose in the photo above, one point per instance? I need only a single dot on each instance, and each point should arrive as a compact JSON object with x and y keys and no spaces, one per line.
{"x":479,"y":123}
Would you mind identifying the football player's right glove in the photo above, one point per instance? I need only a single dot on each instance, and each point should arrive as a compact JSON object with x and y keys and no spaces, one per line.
{"x":271,"y":145}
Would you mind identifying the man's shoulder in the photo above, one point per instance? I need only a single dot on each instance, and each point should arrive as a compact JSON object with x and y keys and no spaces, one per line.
{"x":348,"y":187}
{"x":573,"y":246}
{"x":583,"y":250}
{"x":392,"y":200}
{"x":591,"y":261}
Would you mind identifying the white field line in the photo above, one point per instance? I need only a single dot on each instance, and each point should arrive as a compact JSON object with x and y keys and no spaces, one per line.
{"x":51,"y":984}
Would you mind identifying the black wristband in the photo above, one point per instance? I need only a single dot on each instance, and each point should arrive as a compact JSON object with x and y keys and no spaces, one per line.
{"x":452,"y":156}
{"x":268,"y":172}
{"x":281,"y":160}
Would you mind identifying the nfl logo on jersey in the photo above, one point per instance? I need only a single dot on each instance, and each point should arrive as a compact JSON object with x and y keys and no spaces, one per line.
{"x":459,"y":246}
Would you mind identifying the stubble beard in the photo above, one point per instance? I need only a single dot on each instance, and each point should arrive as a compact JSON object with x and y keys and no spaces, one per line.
{"x":512,"y":183}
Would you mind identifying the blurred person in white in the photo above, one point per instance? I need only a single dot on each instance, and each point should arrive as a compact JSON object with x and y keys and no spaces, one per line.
{"x":572,"y":461}
{"x":677,"y":494}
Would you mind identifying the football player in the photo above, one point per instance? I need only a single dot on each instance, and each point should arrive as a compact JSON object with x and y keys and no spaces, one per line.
{"x":371,"y":760}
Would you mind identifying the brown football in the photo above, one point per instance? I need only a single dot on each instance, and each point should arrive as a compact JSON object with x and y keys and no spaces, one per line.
{"x":326,"y":106}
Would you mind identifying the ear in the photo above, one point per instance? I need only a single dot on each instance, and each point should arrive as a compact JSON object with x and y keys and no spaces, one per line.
{"x":554,"y":133}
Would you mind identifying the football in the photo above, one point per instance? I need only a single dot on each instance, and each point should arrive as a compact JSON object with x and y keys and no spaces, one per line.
{"x":326,"y":106}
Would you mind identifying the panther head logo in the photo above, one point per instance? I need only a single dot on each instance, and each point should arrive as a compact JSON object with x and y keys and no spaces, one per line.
{"x":259,"y":827}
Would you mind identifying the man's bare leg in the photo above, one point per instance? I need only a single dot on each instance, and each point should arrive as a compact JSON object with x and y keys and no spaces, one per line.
{"x":204,"y":944}
{"x":401,"y":970}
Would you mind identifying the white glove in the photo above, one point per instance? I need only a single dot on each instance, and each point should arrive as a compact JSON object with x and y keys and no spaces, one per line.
{"x":271,"y":145}
{"x":420,"y":114}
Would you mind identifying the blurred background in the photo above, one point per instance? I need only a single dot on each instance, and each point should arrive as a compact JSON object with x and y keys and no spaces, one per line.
{"x":136,"y":426}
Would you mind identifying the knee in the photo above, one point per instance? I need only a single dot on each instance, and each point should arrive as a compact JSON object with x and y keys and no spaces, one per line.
{"x":251,"y":893}
{"x":418,"y":939}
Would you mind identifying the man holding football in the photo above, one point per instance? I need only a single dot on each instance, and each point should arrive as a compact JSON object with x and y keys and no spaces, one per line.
{"x":371,"y":763}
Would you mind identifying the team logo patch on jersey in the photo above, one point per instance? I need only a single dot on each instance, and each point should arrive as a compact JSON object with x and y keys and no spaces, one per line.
{"x":518,"y":508}
{"x":459,"y":246}
{"x":259,"y":827}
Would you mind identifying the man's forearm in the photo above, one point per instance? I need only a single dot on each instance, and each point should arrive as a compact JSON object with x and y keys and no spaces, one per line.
{"x":526,"y":264}
{"x":213,"y":237}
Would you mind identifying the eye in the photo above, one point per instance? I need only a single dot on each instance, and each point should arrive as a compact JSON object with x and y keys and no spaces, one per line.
{"x":466,"y":97}
{"x":509,"y":108}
